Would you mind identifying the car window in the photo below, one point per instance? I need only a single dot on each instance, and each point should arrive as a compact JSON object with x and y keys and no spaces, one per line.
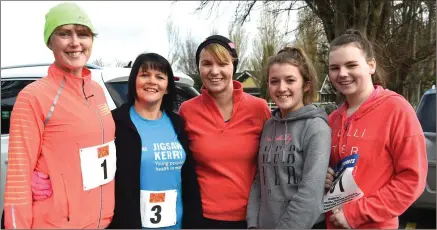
{"x":10,"y":90}
{"x":427,"y":114}
{"x":118,"y":92}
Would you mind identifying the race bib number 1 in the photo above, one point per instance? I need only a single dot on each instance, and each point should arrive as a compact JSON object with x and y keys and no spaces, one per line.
{"x":158,"y":208}
{"x":98,"y":165}
{"x":343,"y":189}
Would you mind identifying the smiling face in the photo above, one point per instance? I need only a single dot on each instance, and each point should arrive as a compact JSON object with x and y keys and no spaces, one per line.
{"x":71,"y":46}
{"x":216,"y":74}
{"x":286,"y":87}
{"x":349,"y":71}
{"x":151,"y":86}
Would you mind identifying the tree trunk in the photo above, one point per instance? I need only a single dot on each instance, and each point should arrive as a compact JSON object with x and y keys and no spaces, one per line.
{"x":377,"y":20}
{"x":362,"y":15}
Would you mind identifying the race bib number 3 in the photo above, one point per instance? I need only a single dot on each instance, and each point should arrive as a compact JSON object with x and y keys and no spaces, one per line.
{"x":158,"y":208}
{"x":344,"y":189}
{"x":98,"y":165}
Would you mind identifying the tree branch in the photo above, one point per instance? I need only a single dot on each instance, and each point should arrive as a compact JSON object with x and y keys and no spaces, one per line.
{"x":287,"y":9}
{"x":243,"y":18}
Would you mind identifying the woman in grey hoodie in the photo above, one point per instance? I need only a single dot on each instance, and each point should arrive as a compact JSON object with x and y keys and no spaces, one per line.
{"x":293,"y":157}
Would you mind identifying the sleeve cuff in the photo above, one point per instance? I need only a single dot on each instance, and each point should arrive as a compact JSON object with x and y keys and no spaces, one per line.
{"x":353,"y":215}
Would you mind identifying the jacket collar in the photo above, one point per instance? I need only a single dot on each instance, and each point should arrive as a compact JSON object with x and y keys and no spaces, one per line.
{"x":77,"y":84}
{"x":236,"y":94}
{"x":56,"y":72}
{"x":209,"y":101}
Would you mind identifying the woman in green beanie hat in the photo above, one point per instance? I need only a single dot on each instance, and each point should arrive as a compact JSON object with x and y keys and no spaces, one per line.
{"x":68,"y":32}
{"x":61,"y":126}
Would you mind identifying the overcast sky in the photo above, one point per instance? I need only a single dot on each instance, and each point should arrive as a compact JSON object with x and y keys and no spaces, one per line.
{"x":124,"y":29}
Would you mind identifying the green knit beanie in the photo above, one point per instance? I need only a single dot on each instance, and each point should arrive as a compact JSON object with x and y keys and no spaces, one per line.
{"x":64,"y":14}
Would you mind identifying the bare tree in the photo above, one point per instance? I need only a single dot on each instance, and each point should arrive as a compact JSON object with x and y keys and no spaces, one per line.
{"x":267,"y":43}
{"x":402,"y":32}
{"x":214,"y":31}
{"x":119,"y":63}
{"x":238,"y":35}
{"x":311,"y":38}
{"x":99,"y":62}
{"x":173,"y":42}
{"x":187,"y":61}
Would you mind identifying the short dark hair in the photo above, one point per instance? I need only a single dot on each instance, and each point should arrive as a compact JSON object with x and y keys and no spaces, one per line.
{"x":152,"y":61}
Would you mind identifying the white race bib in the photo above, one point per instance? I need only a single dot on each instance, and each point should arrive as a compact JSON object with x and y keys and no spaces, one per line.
{"x":158,"y":208}
{"x":343,"y":189}
{"x":98,"y":165}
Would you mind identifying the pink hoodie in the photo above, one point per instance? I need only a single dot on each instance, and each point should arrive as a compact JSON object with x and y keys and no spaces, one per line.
{"x":392,"y":165}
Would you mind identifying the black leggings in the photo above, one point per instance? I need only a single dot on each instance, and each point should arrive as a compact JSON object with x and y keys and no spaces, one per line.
{"x":222,"y":224}
{"x":320,"y":225}
{"x":3,"y":219}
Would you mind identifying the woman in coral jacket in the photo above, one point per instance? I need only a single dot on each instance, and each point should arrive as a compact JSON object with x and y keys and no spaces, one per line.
{"x":62,"y":126}
{"x":224,"y":126}
{"x":378,"y":146}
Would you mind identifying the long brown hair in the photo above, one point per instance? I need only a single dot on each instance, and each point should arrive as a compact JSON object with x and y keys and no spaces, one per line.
{"x":297,"y":57}
{"x":354,"y":37}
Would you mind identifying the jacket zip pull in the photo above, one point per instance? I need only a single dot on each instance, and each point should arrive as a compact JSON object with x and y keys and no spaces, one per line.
{"x":83,"y":90}
{"x":347,"y":125}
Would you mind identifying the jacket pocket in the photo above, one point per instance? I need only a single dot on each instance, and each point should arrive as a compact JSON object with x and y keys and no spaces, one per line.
{"x":59,"y":213}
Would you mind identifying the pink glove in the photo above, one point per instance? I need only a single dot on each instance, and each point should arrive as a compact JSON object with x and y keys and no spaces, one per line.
{"x":41,"y":186}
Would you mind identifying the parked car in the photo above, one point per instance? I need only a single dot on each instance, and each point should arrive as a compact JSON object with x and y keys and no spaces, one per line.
{"x":112,"y":80}
{"x":426,"y":112}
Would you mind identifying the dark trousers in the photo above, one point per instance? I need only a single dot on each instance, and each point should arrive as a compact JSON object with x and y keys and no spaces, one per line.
{"x":222,"y":224}
{"x":3,"y":219}
{"x":320,"y":225}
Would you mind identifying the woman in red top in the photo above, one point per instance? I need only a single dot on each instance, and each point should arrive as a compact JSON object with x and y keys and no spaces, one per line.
{"x":376,"y":138}
{"x":224,"y":126}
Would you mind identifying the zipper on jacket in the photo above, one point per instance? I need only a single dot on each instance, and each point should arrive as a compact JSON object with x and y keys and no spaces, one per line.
{"x":103,"y":141}
{"x":66,"y":197}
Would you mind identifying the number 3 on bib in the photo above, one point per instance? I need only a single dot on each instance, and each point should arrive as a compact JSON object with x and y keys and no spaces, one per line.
{"x":98,"y":165}
{"x":158,"y":208}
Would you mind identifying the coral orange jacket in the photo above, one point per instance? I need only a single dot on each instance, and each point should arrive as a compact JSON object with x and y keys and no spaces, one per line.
{"x":225,"y":152}
{"x":53,"y":118}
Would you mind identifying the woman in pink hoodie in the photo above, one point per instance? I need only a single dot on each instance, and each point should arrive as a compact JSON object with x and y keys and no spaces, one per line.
{"x":378,"y":148}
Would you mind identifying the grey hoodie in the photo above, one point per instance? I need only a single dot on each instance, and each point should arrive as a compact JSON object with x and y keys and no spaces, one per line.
{"x":293,"y":159}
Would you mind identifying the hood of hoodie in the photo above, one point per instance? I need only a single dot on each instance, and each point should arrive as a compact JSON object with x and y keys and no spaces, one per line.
{"x":378,"y":96}
{"x":281,"y":158}
{"x":308,"y":111}
{"x":340,"y":121}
